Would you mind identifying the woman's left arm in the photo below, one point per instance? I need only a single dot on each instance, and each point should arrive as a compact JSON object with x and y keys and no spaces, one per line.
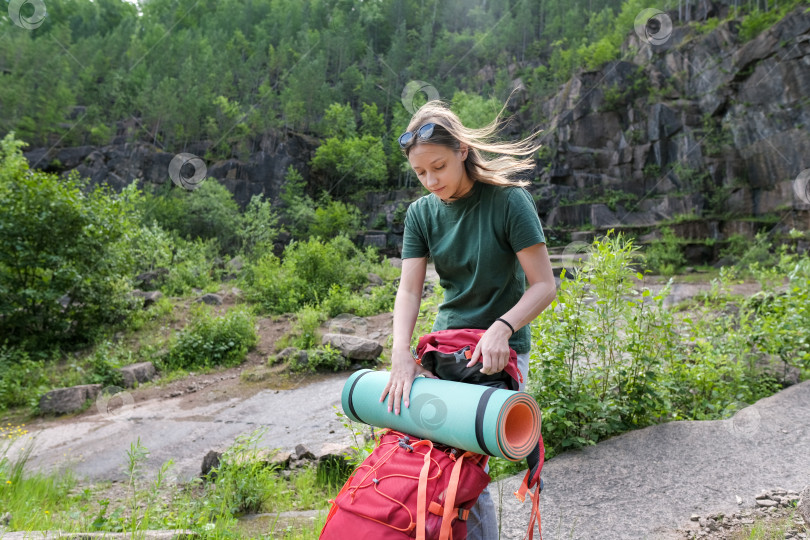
{"x":493,"y":348}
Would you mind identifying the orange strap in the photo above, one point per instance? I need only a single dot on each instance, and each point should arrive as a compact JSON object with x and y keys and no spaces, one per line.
{"x":535,"y":512}
{"x":450,"y":510}
{"x":421,"y":493}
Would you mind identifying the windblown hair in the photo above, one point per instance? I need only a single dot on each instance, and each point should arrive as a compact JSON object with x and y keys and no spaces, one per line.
{"x":497,"y":171}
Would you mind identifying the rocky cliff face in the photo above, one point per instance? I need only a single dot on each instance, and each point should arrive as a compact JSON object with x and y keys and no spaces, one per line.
{"x":700,"y":129}
{"x":702,"y":132}
{"x":119,"y":164}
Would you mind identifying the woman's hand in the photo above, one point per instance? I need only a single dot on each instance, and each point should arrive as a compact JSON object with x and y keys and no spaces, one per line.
{"x":492,"y":349}
{"x":404,"y":370}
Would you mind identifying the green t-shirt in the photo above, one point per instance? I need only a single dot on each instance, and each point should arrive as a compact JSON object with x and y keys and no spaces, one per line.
{"x":473,"y":244}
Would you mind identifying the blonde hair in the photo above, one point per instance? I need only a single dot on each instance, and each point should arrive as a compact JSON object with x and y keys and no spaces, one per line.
{"x":497,"y":171}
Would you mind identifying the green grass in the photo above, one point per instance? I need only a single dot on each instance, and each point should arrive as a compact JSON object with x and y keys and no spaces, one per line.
{"x":242,"y":484}
{"x":769,"y":529}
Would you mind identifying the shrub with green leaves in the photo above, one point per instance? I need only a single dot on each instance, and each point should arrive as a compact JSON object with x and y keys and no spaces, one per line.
{"x":304,"y":330}
{"x":609,"y":356}
{"x":333,"y":218}
{"x":665,"y":256}
{"x":258,"y":229}
{"x":63,"y":258}
{"x":208,"y":213}
{"x":22,"y":378}
{"x":593,"y":365}
{"x":307,"y":274}
{"x":209,"y":340}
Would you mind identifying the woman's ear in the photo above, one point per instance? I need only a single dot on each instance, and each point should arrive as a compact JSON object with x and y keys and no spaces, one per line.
{"x":463,"y":148}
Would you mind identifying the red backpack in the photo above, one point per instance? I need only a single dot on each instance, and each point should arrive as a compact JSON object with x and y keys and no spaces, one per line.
{"x":408,"y":488}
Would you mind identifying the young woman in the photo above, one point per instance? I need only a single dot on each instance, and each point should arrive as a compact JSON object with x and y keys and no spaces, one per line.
{"x":482,"y":232}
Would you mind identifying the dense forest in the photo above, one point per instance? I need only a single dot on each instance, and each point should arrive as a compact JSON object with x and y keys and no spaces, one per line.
{"x":172,"y":72}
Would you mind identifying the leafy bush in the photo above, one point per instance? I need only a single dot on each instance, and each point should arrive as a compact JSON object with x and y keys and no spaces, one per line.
{"x":324,"y":358}
{"x":744,"y":253}
{"x":62,"y":256}
{"x":305,"y":328}
{"x":299,"y":209}
{"x":258,"y":229}
{"x":242,"y":479}
{"x":617,"y":359}
{"x":307,"y":274}
{"x":358,"y":162}
{"x":333,"y":218}
{"x":212,"y":341}
{"x":342,"y":300}
{"x":595,"y":371}
{"x":22,"y":379}
{"x":665,"y":256}
{"x":208,"y":213}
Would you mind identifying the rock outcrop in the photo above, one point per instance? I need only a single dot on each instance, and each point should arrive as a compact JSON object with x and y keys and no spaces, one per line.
{"x":700,"y":127}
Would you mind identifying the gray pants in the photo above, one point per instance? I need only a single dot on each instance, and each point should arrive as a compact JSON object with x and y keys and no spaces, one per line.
{"x":483,"y":523}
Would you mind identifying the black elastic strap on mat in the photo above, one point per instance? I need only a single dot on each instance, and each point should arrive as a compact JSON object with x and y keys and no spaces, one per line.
{"x":351,"y":401}
{"x":479,"y":418}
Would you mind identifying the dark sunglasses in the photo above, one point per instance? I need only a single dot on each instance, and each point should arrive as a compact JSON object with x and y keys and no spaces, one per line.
{"x":423,"y":134}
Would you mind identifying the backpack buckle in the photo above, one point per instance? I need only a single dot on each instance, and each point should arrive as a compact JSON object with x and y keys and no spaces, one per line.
{"x":462,"y":355}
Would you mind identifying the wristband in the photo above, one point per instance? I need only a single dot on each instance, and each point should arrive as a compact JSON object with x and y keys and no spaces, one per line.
{"x":507,"y":324}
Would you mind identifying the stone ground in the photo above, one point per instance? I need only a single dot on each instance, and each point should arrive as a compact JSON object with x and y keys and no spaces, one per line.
{"x":646,"y":484}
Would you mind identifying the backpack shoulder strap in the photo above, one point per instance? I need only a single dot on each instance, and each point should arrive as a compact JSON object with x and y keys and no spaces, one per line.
{"x":421,"y":493}
{"x":450,"y":510}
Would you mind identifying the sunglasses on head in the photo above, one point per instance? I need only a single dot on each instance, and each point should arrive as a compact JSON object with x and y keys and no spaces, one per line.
{"x":423,"y":134}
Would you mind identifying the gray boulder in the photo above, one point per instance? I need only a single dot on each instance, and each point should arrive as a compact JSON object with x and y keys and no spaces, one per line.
{"x":137,"y":373}
{"x":209,"y":462}
{"x":211,"y":299}
{"x":151,"y":279}
{"x":148,"y":297}
{"x":292,"y":354}
{"x":68,"y":400}
{"x":354,"y":347}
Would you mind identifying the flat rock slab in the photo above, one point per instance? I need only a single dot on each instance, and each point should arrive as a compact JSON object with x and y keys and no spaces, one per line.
{"x":95,"y":446}
{"x":647,"y":483}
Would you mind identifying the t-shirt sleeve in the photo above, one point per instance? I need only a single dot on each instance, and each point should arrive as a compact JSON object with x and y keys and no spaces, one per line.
{"x":523,"y":227}
{"x":414,"y":243}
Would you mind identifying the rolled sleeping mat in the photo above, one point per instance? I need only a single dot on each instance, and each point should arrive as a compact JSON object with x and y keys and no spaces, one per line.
{"x":482,"y":419}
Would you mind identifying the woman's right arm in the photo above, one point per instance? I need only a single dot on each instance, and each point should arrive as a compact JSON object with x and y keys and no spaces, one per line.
{"x":404,"y":368}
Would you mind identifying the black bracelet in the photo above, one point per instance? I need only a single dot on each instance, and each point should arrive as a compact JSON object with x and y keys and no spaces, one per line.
{"x":507,"y":324}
